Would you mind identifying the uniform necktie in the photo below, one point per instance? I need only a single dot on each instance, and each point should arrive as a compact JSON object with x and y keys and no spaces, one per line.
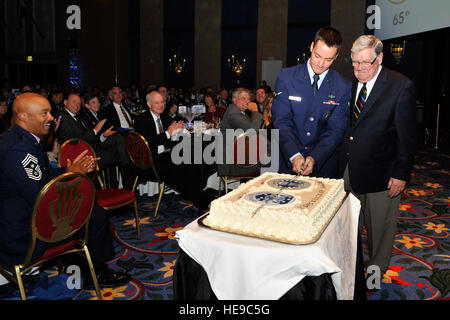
{"x":315,"y":85}
{"x":360,"y":102}
{"x":126,"y":116}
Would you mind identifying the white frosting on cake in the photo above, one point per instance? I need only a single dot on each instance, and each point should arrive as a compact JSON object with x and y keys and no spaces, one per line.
{"x":300,"y":217}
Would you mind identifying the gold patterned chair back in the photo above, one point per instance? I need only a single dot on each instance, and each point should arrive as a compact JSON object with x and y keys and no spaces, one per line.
{"x":139,"y":152}
{"x":61,"y":209}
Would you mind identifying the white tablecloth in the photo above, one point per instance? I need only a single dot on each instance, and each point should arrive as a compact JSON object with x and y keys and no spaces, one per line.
{"x":151,"y":188}
{"x":246,"y":268}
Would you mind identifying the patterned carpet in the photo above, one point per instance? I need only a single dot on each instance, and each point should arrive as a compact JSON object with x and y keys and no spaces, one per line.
{"x":420,"y":261}
{"x":419,"y":267}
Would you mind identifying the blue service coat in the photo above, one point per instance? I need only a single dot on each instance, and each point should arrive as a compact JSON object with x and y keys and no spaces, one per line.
{"x":24,"y":171}
{"x":311,"y":125}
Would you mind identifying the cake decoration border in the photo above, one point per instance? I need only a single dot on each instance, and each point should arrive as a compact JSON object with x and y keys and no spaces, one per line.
{"x":201,"y":223}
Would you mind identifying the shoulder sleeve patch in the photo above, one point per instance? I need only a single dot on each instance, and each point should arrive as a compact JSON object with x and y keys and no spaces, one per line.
{"x":31,"y":167}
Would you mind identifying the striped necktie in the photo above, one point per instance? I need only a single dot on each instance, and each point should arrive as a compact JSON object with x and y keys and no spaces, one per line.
{"x":130,"y":124}
{"x":360,"y":102}
{"x":160,"y":127}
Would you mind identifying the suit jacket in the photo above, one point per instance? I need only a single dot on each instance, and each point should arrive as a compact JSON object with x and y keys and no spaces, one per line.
{"x":69,"y":129}
{"x":311,"y":125}
{"x":89,"y":119}
{"x":110,"y":113}
{"x":145,"y":125}
{"x":24,"y":171}
{"x":235,"y":119}
{"x":111,"y":152}
{"x":380,"y":144}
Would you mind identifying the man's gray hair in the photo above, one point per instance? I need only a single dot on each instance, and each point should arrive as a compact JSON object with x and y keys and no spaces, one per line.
{"x":110,"y":90}
{"x":150,"y":94}
{"x":238,"y":91}
{"x":367,"y":42}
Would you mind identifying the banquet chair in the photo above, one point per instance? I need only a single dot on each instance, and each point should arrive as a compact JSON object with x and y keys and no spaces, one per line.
{"x":141,"y":155}
{"x":107,"y":198}
{"x":61,"y":211}
{"x":245,"y":157}
{"x":71,"y":148}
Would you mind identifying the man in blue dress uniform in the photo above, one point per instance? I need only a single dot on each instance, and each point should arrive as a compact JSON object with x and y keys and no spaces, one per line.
{"x":311,"y":110}
{"x":24,"y":171}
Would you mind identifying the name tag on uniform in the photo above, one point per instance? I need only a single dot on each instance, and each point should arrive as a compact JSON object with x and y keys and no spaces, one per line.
{"x":295,"y":98}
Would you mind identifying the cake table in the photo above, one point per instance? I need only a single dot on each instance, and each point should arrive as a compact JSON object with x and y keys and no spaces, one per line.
{"x":245,"y":268}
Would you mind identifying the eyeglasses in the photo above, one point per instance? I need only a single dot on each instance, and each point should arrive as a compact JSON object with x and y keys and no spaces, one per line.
{"x":364,"y":64}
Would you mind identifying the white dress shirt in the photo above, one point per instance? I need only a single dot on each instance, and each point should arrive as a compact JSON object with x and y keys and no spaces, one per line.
{"x":369,"y":85}
{"x":311,"y":74}
{"x":161,"y":147}
{"x":123,"y":121}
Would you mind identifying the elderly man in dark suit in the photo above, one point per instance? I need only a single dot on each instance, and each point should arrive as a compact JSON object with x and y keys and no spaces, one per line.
{"x":236,"y":118}
{"x":378,"y":147}
{"x":158,"y":128}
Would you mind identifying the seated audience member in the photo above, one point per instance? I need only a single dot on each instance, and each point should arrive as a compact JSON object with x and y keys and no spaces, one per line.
{"x":260,"y":96}
{"x":181,"y":99}
{"x":26,"y":88}
{"x":170,"y":104}
{"x":109,"y":146}
{"x":56,"y":102}
{"x":5,"y":121}
{"x":236,"y":117}
{"x":89,"y":113}
{"x":213,"y":113}
{"x":116,"y":114}
{"x":267,"y":112}
{"x":267,"y":122}
{"x":157,"y":128}
{"x":20,"y":185}
{"x":224,"y":100}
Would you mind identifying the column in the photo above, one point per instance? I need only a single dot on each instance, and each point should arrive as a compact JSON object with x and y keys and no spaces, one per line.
{"x":349,"y":17}
{"x":272,"y":33}
{"x":208,"y":17}
{"x":152,"y":42}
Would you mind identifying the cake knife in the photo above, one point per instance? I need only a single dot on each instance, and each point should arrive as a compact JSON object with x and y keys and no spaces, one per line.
{"x":277,"y":194}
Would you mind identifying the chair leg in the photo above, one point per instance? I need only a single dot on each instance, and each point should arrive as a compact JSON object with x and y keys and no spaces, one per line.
{"x":161,"y":192}
{"x":220,"y":186}
{"x":135,"y":183}
{"x":93,"y":275}
{"x":23,"y":295}
{"x":136,"y":216}
{"x":226,"y":184}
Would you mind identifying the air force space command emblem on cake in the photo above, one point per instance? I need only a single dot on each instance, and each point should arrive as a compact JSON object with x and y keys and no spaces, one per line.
{"x":289,"y":184}
{"x":270,"y":199}
{"x":31,"y":167}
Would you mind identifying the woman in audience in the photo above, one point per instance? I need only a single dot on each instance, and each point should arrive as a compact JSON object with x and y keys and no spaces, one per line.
{"x":213,"y":113}
{"x":267,"y":111}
